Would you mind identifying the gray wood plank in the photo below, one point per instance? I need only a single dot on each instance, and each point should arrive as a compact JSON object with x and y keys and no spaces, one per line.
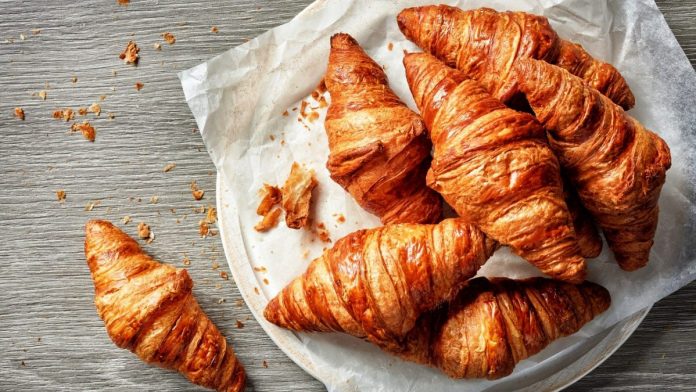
{"x":50,"y":335}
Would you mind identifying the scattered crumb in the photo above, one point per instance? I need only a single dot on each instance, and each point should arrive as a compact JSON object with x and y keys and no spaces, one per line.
{"x":74,"y":79}
{"x":264,"y":364}
{"x":86,"y":128}
{"x":139,"y":86}
{"x":271,"y":197}
{"x":95,"y":108}
{"x":111,"y":116}
{"x":65,"y":114}
{"x":22,"y":37}
{"x":19,"y":113}
{"x":60,"y":194}
{"x":211,"y":215}
{"x":239,"y":303}
{"x":260,"y":269}
{"x":102,"y":97}
{"x":296,"y":196}
{"x":23,"y":364}
{"x":82,"y":111}
{"x":36,"y":31}
{"x":256,"y":290}
{"x":285,"y":113}
{"x":272,"y":138}
{"x":126,"y":219}
{"x":186,"y":261}
{"x":169,"y":38}
{"x":42,"y":94}
{"x":214,"y":29}
{"x":154,"y":199}
{"x":390,"y":46}
{"x":123,"y":2}
{"x":269,"y":221}
{"x":305,"y":254}
{"x":322,"y":232}
{"x":90,"y":206}
{"x":265,"y":281}
{"x":224,"y":275}
{"x":221,"y":300}
{"x":340,"y":218}
{"x":130,"y":54}
{"x":144,"y":231}
{"x":199,"y":209}
{"x":157,"y":46}
{"x":218,"y":286}
{"x":240,"y":324}
{"x":215,"y":266}
{"x":313,"y":116}
{"x":196,"y":192}
{"x":203,"y":228}
{"x":169,"y":167}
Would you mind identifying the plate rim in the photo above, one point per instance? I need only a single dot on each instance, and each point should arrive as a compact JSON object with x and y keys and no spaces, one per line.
{"x":289,"y":343}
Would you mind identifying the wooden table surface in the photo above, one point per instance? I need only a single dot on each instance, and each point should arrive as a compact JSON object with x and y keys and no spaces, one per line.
{"x":50,"y":335}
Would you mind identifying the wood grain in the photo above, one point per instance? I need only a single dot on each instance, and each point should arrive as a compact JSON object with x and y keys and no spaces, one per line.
{"x":50,"y":335}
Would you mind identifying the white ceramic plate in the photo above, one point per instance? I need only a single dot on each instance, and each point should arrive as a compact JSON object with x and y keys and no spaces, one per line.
{"x":551,"y":375}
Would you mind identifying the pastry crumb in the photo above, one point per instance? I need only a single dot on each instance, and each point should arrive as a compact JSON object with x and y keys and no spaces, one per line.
{"x":224,"y":275}
{"x":322,"y":232}
{"x":143,"y":230}
{"x":95,"y":108}
{"x":196,"y":192}
{"x":126,"y":219}
{"x":390,"y":46}
{"x":239,"y":303}
{"x":19,"y":113}
{"x":214,"y":29}
{"x":154,"y":199}
{"x":260,"y":269}
{"x":64,"y":114}
{"x":123,"y":2}
{"x":90,"y":205}
{"x":186,"y":261}
{"x":297,"y":195}
{"x":256,"y":290}
{"x":221,"y":300}
{"x":271,"y":196}
{"x":264,"y":364}
{"x":42,"y":94}
{"x":240,"y":324}
{"x":265,"y":281}
{"x":130,"y":54}
{"x":211,"y":215}
{"x":203,"y":228}
{"x":139,"y":86}
{"x":82,"y":111}
{"x":215,"y":266}
{"x":36,"y":31}
{"x":86,"y":129}
{"x":340,"y":218}
{"x":60,"y":194}
{"x":74,"y":79}
{"x":168,"y":167}
{"x":269,"y":221}
{"x":111,"y":116}
{"x":157,"y":46}
{"x":169,"y":38}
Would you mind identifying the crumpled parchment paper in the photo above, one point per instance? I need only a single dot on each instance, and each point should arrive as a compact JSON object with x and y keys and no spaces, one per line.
{"x":239,"y":99}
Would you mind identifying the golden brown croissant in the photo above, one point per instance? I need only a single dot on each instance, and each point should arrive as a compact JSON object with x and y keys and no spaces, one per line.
{"x":378,"y":148}
{"x":484,"y":44}
{"x":617,"y":166}
{"x":149,"y":309}
{"x":375,"y":283}
{"x":492,"y":325}
{"x":494,"y":167}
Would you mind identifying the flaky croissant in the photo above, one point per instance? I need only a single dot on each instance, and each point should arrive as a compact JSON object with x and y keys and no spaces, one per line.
{"x":149,"y":309}
{"x":375,"y":283}
{"x":586,"y":232}
{"x":492,"y":325}
{"x":484,"y":44}
{"x":379,"y":151}
{"x":617,"y":166}
{"x":493,"y":165}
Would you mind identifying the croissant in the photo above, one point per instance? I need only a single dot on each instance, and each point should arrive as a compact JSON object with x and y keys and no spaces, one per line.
{"x":375,"y":283}
{"x":484,"y":44}
{"x":492,"y":325}
{"x":148,"y":308}
{"x":494,"y":167}
{"x":379,"y":151}
{"x":617,"y":166}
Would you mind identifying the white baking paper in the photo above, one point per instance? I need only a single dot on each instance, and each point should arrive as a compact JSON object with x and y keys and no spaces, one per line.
{"x":238,"y":99}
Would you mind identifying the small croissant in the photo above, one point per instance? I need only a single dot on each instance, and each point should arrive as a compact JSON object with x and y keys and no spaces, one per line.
{"x":485,"y":44}
{"x":375,"y":283}
{"x":149,"y":309}
{"x":617,"y":166}
{"x":379,"y":151}
{"x":492,"y":325}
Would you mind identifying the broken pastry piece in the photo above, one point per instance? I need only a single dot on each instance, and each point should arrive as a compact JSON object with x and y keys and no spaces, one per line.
{"x":148,"y":308}
{"x":297,"y":195}
{"x":271,"y":197}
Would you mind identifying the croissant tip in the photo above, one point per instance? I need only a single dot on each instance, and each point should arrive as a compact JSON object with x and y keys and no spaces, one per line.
{"x":342,"y":41}
{"x":97,"y":225}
